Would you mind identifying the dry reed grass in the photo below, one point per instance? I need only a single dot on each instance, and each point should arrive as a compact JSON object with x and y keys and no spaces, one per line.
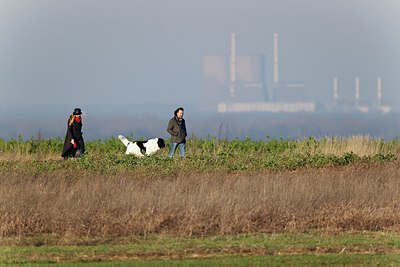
{"x":361,"y":145}
{"x":352,"y":197}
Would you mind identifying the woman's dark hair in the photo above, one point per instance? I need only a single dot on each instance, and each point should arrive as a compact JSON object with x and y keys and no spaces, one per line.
{"x":177,"y":110}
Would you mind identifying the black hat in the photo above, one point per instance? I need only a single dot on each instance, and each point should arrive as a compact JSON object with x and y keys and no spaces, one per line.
{"x":77,"y":111}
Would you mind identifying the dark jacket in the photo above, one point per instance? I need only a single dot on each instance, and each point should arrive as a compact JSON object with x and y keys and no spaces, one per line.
{"x":74,"y":131}
{"x":177,"y":129}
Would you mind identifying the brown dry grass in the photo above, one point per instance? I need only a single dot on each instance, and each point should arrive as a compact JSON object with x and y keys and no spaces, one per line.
{"x":352,"y":197}
{"x":359,"y":144}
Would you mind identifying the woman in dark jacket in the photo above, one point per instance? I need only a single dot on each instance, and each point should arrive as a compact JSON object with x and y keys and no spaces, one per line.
{"x":74,"y":144}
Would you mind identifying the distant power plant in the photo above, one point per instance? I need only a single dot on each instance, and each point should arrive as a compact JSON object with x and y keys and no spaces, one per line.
{"x":237,"y":83}
{"x":335,"y":106}
{"x":233,"y":78}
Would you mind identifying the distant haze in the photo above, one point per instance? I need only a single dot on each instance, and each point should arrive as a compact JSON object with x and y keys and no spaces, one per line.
{"x":102,"y":54}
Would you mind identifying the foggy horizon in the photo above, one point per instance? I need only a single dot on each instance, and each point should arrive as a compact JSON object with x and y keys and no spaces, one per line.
{"x":132,"y":58}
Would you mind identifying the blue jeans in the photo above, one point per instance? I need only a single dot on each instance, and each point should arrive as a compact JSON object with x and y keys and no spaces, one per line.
{"x":174,"y":146}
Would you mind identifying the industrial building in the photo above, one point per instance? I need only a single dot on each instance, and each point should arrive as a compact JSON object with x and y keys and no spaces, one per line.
{"x":338,"y":106}
{"x":238,"y":83}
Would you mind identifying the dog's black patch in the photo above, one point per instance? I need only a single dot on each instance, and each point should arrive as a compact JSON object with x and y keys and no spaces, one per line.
{"x":140,"y":144}
{"x":160,"y":143}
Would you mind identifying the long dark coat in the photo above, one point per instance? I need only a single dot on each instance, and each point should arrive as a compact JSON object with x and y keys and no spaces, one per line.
{"x":74,"y":131}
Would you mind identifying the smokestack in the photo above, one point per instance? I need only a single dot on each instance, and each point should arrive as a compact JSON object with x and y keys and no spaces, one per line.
{"x":379,"y":89}
{"x":357,"y":91}
{"x":233,"y":65}
{"x":276,"y":59}
{"x":335,"y":90}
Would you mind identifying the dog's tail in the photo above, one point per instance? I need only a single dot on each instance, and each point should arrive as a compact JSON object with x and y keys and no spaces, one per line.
{"x":124,"y":140}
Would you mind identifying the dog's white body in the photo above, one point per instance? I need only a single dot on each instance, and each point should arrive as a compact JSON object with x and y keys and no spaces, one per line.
{"x":141,"y":148}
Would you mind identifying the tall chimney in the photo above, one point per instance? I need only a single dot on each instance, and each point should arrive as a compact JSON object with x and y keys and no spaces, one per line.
{"x":233,"y":65}
{"x":335,"y":91}
{"x":276,"y":59}
{"x":379,"y":89}
{"x":357,"y":91}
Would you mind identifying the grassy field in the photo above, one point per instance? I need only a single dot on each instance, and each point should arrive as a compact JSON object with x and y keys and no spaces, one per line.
{"x":211,"y":154}
{"x":281,"y":249}
{"x":229,"y":202}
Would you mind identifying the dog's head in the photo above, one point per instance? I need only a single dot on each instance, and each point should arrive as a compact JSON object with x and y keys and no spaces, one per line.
{"x":160,"y":143}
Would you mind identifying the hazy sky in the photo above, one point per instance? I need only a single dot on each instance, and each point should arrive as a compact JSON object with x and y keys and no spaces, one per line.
{"x":96,"y":52}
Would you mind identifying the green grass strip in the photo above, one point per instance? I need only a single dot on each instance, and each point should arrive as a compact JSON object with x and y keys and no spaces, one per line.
{"x":295,"y":249}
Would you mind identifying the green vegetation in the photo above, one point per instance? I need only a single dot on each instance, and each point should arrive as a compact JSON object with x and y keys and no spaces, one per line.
{"x":354,"y":249}
{"x":209,"y":154}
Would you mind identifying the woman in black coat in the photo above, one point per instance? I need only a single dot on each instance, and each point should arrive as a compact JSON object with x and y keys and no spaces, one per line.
{"x":74,"y":144}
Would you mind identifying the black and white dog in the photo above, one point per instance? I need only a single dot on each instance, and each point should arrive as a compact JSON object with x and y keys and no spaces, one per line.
{"x":141,"y":148}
